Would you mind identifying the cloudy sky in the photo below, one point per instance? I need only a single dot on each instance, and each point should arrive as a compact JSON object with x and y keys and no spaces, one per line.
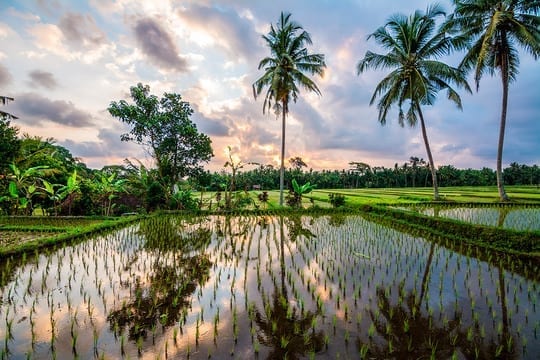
{"x":64,"y":61}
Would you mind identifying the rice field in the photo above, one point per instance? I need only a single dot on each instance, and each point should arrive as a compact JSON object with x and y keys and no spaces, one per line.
{"x":507,"y":217}
{"x":270,"y":287}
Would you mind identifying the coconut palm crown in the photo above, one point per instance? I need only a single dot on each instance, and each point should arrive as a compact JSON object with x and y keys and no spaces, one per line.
{"x":495,"y":29}
{"x":284,"y":71}
{"x":414,"y":44}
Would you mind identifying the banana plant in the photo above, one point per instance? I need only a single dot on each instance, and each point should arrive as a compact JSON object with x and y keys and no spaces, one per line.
{"x":54,"y":193}
{"x":71,"y":187}
{"x":109,"y":188}
{"x":23,"y":186}
{"x":295,"y":196}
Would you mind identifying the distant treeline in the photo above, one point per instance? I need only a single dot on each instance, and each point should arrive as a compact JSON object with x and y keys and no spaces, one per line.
{"x":266,"y":177}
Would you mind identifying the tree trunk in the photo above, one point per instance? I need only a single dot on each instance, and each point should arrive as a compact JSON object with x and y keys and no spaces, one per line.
{"x":504,"y":307}
{"x":504,"y":76}
{"x":430,"y":157}
{"x":282,"y":255}
{"x":425,"y":278}
{"x":282,"y":167}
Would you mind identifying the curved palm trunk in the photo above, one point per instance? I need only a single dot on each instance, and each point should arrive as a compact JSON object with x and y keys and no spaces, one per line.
{"x":430,"y":157}
{"x":500,"y":183}
{"x":282,"y":167}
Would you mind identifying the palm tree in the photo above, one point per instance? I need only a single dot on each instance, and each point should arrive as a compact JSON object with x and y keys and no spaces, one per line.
{"x":495,"y":27}
{"x":416,"y":76}
{"x":4,"y":115}
{"x":284,"y":70}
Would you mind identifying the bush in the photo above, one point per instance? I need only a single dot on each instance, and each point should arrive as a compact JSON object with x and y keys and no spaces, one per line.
{"x":293,"y":199}
{"x":336,"y":200}
{"x":184,"y":200}
{"x":155,"y":196}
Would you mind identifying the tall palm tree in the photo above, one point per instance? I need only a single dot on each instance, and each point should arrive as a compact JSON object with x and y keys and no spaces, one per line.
{"x":4,"y":115}
{"x":413,"y":45}
{"x":284,"y":70}
{"x":495,"y":28}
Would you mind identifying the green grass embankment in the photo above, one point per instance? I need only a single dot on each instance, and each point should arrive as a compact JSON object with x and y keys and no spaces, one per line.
{"x":524,"y":243}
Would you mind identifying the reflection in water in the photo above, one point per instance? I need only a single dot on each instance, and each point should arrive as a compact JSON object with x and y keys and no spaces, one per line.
{"x":506,"y":216}
{"x":409,"y":332}
{"x":162,"y":298}
{"x":274,"y":287}
{"x":288,"y":331}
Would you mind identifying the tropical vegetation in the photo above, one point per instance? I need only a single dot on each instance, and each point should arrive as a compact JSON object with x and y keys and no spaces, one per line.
{"x":415,"y":77}
{"x":495,"y":29}
{"x":285,"y":71}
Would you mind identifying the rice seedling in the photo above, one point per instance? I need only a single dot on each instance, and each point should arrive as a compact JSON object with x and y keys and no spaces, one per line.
{"x":159,"y":279}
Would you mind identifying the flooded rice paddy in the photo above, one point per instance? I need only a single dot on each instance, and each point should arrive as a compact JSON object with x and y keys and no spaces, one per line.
{"x":507,"y":217}
{"x":268,"y":287}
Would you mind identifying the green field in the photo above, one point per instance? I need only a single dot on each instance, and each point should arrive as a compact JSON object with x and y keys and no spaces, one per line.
{"x":393,"y":196}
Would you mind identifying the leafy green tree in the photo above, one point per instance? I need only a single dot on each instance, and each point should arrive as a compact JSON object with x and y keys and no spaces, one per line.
{"x":284,"y":70}
{"x":416,"y":76}
{"x":360,"y":169}
{"x":495,"y":28}
{"x":9,"y":143}
{"x":163,"y":126}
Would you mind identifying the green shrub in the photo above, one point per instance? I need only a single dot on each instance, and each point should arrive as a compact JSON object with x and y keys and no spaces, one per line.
{"x":155,"y":196}
{"x":336,"y":199}
{"x":184,"y":200}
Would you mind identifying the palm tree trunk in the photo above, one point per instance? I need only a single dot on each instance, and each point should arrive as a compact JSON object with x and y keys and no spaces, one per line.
{"x":425,"y":278}
{"x":282,"y":167}
{"x":430,"y":157}
{"x":504,"y":306}
{"x":500,"y":183}
{"x":282,"y":256}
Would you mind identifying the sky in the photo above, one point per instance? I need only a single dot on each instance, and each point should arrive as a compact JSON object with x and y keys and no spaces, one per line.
{"x":65,"y":61}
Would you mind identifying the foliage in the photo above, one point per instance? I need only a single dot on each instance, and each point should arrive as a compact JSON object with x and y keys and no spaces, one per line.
{"x":108,"y":188}
{"x":184,"y":200}
{"x":4,"y":115}
{"x":336,"y":199}
{"x":85,"y":203}
{"x":415,"y":75}
{"x":294,"y":198}
{"x":284,"y":70}
{"x":23,"y":187}
{"x":297,"y":163}
{"x":9,"y":144}
{"x":163,"y":126}
{"x":263,"y":198}
{"x":484,"y":236}
{"x":155,"y":195}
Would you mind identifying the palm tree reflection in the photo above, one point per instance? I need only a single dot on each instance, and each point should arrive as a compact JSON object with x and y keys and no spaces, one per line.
{"x":404,"y":331}
{"x":287,"y":330}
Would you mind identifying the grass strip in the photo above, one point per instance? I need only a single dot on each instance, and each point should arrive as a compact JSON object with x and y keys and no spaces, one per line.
{"x":524,"y":243}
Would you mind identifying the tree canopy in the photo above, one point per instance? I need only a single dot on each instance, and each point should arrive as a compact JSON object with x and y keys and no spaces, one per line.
{"x":164,"y":127}
{"x":414,"y":44}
